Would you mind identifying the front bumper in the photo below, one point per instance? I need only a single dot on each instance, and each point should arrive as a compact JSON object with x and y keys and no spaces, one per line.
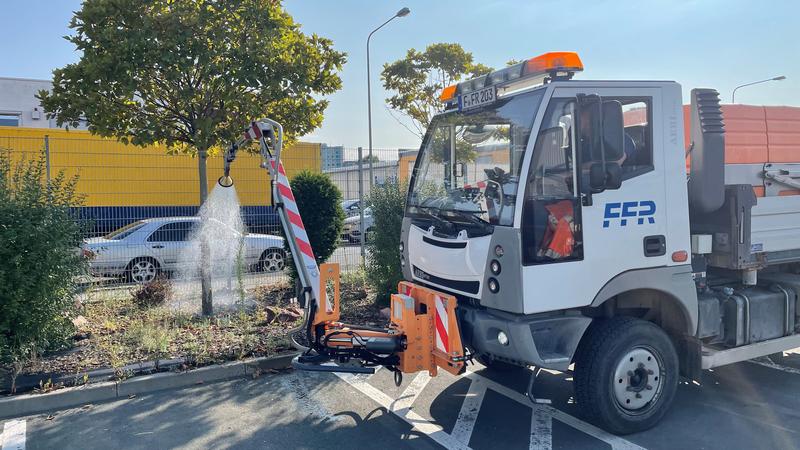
{"x":546,"y":341}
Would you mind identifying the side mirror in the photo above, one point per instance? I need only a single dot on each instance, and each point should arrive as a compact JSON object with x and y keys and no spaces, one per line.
{"x":603,"y":135}
{"x":597,"y":178}
{"x":613,"y":130}
{"x":600,"y":180}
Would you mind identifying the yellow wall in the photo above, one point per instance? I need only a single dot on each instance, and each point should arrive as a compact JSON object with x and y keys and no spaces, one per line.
{"x":115,"y":174}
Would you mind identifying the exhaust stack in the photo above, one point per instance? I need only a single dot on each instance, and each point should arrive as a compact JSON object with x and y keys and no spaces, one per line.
{"x":707,"y":174}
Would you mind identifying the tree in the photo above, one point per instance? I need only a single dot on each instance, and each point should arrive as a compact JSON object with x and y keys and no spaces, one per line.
{"x":319,"y":202}
{"x":191,"y":74}
{"x":419,"y":78}
{"x":39,"y":232}
{"x":384,"y":270}
{"x":368,"y":158}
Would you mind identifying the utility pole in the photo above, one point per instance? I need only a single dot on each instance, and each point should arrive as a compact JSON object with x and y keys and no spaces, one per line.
{"x":402,"y":13}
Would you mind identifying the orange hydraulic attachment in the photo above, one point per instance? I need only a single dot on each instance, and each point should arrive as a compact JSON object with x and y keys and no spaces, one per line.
{"x":423,"y":325}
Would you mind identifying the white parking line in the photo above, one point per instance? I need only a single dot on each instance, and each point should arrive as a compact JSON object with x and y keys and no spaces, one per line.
{"x":13,"y":437}
{"x":462,"y":430}
{"x":541,"y":428}
{"x":614,"y":441}
{"x":413,"y":390}
{"x":541,"y":436}
{"x":419,"y":423}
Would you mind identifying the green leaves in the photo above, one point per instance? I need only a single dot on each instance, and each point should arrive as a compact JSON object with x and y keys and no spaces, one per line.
{"x":319,"y":203}
{"x":191,"y":72}
{"x":418,"y":79}
{"x":384,"y":271}
{"x":40,"y":237}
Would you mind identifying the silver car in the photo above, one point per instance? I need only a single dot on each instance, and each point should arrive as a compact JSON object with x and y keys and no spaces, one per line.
{"x":352,"y":226}
{"x":142,"y":250}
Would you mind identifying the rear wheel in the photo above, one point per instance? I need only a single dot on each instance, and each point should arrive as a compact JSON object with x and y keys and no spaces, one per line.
{"x":272,"y":260}
{"x":626,"y":374}
{"x":142,"y":270}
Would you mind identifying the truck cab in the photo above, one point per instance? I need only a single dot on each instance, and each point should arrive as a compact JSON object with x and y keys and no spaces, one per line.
{"x":559,"y":212}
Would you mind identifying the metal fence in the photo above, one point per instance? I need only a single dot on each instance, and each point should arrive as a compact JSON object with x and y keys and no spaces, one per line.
{"x":141,"y":204}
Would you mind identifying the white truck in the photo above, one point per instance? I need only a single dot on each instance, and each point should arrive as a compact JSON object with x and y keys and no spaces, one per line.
{"x":560,"y":213}
{"x":552,"y":222}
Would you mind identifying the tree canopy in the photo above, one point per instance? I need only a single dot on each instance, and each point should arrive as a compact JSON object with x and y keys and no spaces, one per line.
{"x":418,"y":79}
{"x":191,"y":74}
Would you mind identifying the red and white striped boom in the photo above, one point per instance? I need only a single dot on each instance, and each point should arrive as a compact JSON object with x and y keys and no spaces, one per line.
{"x":270,"y":136}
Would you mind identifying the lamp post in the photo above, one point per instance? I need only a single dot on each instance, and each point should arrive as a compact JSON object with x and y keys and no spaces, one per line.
{"x":402,"y":13}
{"x":733,"y":95}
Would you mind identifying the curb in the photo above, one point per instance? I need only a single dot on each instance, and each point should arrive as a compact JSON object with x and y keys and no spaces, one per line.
{"x":28,"y":404}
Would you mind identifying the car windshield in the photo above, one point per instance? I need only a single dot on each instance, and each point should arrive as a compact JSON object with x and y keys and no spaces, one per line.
{"x":122,"y":233}
{"x":470,"y":162}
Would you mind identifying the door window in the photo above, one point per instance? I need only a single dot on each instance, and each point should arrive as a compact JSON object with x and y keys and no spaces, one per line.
{"x":172,"y":232}
{"x":637,"y":117}
{"x":551,"y":221}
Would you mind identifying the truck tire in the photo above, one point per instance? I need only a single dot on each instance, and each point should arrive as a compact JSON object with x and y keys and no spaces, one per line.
{"x":497,"y":366}
{"x":626,"y":374}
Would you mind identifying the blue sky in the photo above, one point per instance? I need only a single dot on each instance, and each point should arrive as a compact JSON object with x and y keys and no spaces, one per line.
{"x":699,"y":43}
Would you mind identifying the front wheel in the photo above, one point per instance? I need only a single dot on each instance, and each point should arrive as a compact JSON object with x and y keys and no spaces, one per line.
{"x":626,"y":374}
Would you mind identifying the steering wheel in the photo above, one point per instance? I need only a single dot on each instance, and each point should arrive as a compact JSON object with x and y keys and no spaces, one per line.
{"x":497,"y":175}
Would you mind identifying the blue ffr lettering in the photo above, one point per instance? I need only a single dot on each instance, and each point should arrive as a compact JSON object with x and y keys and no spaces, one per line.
{"x":610,"y":213}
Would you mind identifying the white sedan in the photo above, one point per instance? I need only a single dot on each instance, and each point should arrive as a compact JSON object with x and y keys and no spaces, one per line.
{"x":142,"y":250}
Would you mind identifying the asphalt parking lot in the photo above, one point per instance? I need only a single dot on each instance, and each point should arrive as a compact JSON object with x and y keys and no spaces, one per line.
{"x":750,"y":405}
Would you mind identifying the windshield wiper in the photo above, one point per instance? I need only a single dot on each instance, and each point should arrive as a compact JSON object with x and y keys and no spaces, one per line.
{"x":469,"y":215}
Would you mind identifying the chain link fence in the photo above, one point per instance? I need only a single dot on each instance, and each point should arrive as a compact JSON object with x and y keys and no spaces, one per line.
{"x":141,"y":205}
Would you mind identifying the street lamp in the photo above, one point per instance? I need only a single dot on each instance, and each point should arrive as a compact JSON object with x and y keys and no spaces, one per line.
{"x":402,"y":13}
{"x":733,"y":96}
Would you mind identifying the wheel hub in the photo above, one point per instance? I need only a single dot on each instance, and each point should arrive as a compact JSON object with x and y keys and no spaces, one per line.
{"x":637,"y":379}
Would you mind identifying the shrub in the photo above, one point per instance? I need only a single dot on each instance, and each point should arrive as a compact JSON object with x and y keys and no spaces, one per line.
{"x":39,"y":250}
{"x":383,"y":269}
{"x":152,"y":293}
{"x":319,"y":202}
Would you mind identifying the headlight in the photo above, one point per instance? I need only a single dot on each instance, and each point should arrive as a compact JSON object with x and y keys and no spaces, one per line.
{"x":494,"y":266}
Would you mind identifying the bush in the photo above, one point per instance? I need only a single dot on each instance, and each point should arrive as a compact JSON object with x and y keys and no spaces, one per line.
{"x":152,"y":293}
{"x":383,"y":270}
{"x":319,"y":202}
{"x":39,"y":250}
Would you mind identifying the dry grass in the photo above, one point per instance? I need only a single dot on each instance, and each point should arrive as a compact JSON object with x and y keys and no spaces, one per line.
{"x":118,"y":332}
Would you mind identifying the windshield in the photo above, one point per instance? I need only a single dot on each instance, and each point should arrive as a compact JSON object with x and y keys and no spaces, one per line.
{"x":122,"y":233}
{"x":469,"y":166}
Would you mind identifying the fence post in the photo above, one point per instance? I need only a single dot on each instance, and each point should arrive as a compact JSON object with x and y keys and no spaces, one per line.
{"x":47,"y":156}
{"x":361,"y":204}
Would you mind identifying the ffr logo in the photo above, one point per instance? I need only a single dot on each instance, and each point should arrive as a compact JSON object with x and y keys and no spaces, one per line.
{"x":645,"y":209}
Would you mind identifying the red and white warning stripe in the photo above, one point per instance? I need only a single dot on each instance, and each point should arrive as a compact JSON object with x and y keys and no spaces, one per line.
{"x":441,"y":322}
{"x":301,"y":240}
{"x":301,"y":246}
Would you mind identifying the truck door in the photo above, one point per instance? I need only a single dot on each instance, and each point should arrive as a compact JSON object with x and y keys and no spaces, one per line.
{"x":575,"y":240}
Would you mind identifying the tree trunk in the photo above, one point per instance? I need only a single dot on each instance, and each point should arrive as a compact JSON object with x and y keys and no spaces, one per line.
{"x":205,"y":275}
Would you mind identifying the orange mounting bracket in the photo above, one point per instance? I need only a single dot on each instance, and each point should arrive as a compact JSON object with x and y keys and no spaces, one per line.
{"x":428,"y":320}
{"x":329,"y":289}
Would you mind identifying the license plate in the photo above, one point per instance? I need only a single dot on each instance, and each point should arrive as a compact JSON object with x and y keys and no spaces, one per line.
{"x":477,"y":98}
